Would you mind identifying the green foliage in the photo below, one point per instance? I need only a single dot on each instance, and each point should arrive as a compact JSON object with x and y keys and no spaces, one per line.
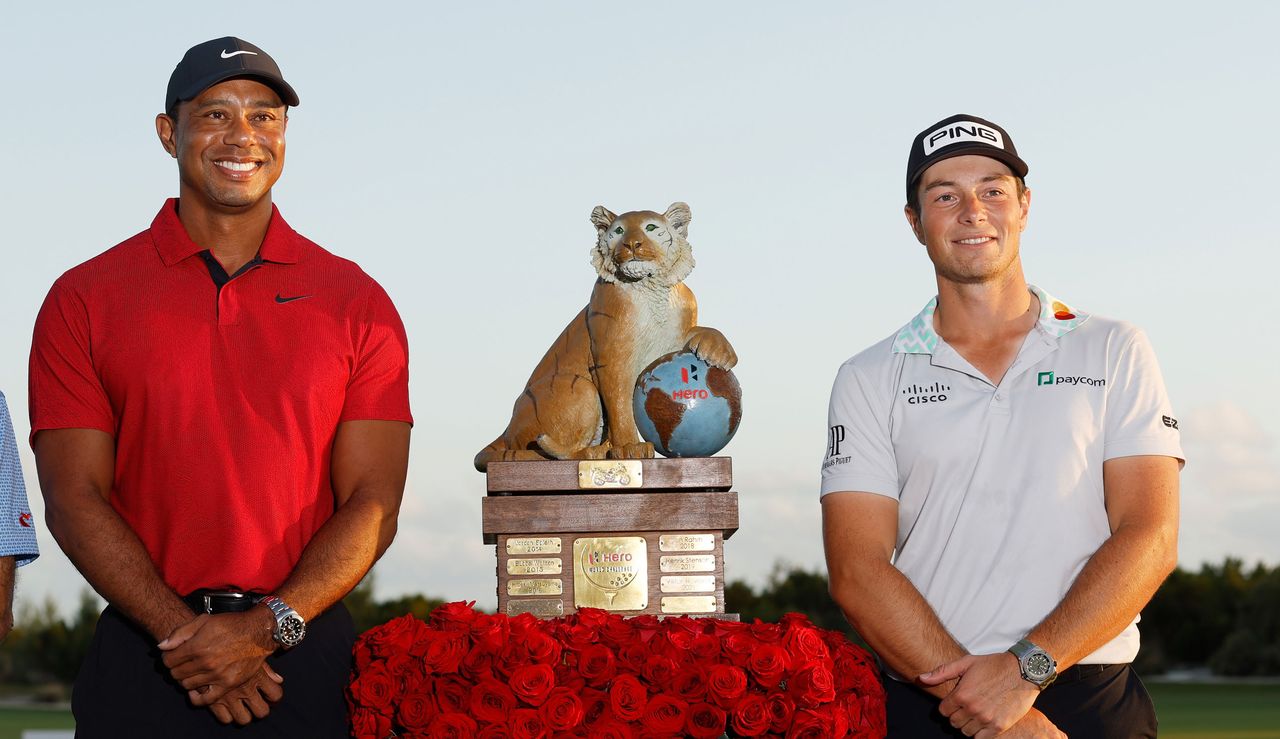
{"x":45,"y":648}
{"x":367,"y":613}
{"x":786,"y":591}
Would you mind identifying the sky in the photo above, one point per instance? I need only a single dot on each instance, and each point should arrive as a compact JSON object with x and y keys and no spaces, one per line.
{"x":456,"y":150}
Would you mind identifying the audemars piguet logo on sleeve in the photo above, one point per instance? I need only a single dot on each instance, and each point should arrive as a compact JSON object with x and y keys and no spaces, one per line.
{"x":835,"y":437}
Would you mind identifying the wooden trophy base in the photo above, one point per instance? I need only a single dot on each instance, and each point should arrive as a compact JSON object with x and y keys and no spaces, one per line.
{"x":632,"y":537}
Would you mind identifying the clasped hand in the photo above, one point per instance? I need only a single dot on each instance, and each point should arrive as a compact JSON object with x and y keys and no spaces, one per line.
{"x":990,"y":698}
{"x":221,"y":665}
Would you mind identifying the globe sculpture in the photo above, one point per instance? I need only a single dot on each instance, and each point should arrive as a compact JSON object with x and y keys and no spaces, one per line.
{"x":686,"y":407}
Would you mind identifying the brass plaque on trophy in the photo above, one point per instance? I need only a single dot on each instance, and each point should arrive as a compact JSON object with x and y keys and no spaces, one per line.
{"x":611,"y":572}
{"x":688,"y":563}
{"x":539,"y":608}
{"x":534,"y":545}
{"x":689,"y":604}
{"x":613,"y":473}
{"x":687,"y":543}
{"x":541,"y":586}
{"x":534,"y":566}
{"x":688,"y":583}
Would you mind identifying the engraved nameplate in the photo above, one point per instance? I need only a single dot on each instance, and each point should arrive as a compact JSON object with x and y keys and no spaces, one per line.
{"x":543,"y":586}
{"x":539,"y":566}
{"x":612,"y":473}
{"x":689,"y":604}
{"x":687,"y":543}
{"x":611,"y":572}
{"x":539,"y":608}
{"x":535,"y":545}
{"x":688,"y":563}
{"x":688,"y":583}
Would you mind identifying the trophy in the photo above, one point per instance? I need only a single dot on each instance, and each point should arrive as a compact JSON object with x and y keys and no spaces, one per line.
{"x":581,"y":512}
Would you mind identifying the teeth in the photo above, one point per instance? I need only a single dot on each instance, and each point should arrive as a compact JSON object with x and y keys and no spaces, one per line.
{"x":975,"y":241}
{"x":238,"y":166}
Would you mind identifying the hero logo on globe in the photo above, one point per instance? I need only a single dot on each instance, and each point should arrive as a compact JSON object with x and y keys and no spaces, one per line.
{"x":960,"y":132}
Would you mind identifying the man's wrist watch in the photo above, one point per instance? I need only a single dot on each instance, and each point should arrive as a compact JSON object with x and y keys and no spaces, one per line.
{"x":1037,"y":667}
{"x":290,"y":627}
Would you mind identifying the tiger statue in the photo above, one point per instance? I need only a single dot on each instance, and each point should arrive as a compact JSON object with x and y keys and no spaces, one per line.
{"x":577,"y":402}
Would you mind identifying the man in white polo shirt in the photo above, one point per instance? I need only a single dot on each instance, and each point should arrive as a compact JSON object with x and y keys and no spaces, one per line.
{"x":1000,"y":489}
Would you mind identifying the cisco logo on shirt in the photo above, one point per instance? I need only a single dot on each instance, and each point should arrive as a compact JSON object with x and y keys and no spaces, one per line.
{"x":1049,"y":378}
{"x":922,"y":394}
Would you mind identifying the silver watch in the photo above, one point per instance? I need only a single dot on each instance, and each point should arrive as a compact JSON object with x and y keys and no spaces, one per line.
{"x":1037,"y":667}
{"x":290,"y":627}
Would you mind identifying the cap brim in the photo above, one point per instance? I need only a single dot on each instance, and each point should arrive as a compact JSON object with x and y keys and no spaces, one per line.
{"x":1012,"y":161}
{"x":282,"y":88}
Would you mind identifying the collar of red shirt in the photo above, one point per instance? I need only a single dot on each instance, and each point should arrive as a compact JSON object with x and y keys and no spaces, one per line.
{"x":174,"y":245}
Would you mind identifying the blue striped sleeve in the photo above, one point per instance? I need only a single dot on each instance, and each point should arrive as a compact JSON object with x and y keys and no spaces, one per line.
{"x":17,"y":526}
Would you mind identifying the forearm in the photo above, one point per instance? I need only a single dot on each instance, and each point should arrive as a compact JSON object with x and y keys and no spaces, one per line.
{"x":1115,"y":584}
{"x":7,"y":577}
{"x":891,"y":614}
{"x":114,"y":562}
{"x":340,"y":554}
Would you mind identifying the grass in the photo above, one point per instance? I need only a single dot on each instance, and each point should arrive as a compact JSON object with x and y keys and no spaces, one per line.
{"x":1217,"y":711}
{"x":1187,"y":711}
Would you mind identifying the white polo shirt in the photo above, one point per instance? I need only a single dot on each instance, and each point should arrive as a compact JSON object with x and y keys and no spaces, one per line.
{"x":999,"y":487}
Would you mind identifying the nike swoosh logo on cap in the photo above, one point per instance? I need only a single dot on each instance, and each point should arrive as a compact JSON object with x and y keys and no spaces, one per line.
{"x":226,"y":55}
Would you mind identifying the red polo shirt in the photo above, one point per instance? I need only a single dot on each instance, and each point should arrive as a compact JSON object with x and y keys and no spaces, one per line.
{"x":223,"y":402}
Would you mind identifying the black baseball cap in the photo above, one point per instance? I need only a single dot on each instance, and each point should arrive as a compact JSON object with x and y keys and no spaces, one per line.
{"x":957,"y":135}
{"x":221,"y":59}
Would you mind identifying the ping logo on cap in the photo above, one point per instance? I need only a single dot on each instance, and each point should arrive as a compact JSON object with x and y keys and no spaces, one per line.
{"x":960,"y":132}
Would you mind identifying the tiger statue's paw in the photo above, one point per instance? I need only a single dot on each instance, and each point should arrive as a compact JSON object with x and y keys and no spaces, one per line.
{"x":712,"y":347}
{"x":638,"y":450}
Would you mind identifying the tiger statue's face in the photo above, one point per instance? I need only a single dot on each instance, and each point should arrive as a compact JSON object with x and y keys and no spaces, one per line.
{"x":643,"y":245}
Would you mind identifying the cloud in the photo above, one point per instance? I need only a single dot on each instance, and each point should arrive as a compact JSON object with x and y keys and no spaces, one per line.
{"x":1230,"y":487}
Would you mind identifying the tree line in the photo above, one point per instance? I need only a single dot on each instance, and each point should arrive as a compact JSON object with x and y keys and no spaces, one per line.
{"x":1224,"y":616}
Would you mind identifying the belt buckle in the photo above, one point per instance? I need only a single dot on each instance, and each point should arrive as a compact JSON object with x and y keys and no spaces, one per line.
{"x":208,"y":598}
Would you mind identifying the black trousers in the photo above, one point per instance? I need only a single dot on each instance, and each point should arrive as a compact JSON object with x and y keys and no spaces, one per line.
{"x":123,"y":690}
{"x":1086,"y":703}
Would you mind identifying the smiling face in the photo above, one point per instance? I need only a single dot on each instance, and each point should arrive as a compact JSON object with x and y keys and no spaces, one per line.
{"x":229,"y":143}
{"x":972,"y":214}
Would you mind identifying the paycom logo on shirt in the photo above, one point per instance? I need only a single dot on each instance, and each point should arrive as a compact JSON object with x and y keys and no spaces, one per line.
{"x":1050,"y":378}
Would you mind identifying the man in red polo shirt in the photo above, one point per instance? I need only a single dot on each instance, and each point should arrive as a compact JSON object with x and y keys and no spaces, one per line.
{"x":220,"y":416}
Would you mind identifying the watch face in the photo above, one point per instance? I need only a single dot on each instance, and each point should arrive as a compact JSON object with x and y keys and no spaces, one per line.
{"x":290,"y":630}
{"x":1038,"y":666}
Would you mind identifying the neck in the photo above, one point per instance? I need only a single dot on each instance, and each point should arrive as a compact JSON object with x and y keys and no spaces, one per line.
{"x":985,"y":310}
{"x":232,"y":236}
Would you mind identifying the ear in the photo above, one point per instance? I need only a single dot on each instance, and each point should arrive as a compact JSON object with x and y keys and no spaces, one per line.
{"x":601,"y":217}
{"x":679,"y":215}
{"x":913,"y":218}
{"x":167,"y":129}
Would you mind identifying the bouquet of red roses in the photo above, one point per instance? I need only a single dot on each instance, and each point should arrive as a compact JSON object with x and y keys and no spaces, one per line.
{"x":596,"y":674}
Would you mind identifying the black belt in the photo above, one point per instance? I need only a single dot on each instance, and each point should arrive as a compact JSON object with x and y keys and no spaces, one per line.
{"x":221,"y":601}
{"x":1076,"y":673}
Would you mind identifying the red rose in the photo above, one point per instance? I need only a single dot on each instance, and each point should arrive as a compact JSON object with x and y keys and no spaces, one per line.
{"x":362,"y":653}
{"x":738,"y":646}
{"x":533,"y":683}
{"x":597,"y":664}
{"x":494,"y":731}
{"x":374,"y":688}
{"x":610,"y":729}
{"x":451,"y":726}
{"x":595,"y":704}
{"x":527,"y":724}
{"x":690,"y":684}
{"x":628,"y":698}
{"x":445,"y":651}
{"x":476,"y":665}
{"x":491,"y":701}
{"x":665,"y":714}
{"x":751,"y":717}
{"x":578,"y":636}
{"x":781,"y":710}
{"x":806,"y":643}
{"x":366,"y":724}
{"x":705,"y":721}
{"x":726,"y":684}
{"x":812,"y":684}
{"x":454,"y":616}
{"x":705,"y":648}
{"x":837,"y":717}
{"x":633,"y":656}
{"x":617,"y":631}
{"x":810,"y":725}
{"x":489,"y":633}
{"x":452,"y":694}
{"x":769,"y":664}
{"x":594,"y":618}
{"x":767,"y":633}
{"x":395,"y":636}
{"x":542,"y":648}
{"x":659,"y":670}
{"x":562,"y":710}
{"x":416,"y":710}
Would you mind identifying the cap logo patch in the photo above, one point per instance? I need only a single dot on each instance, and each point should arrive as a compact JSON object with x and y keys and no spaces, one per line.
{"x":227,"y":55}
{"x":960,"y":132}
